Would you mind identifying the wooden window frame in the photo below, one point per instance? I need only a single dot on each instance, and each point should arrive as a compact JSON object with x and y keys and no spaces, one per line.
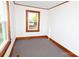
{"x":9,"y":40}
{"x":27,"y":30}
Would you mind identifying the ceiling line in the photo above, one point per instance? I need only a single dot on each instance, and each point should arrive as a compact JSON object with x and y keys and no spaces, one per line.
{"x":58,"y":5}
{"x":28,"y":6}
{"x":40,"y":7}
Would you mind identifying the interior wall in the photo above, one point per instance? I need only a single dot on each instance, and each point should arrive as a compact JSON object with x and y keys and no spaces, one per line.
{"x":64,"y":25}
{"x":20,"y":19}
{"x":12,"y":28}
{"x":62,"y":22}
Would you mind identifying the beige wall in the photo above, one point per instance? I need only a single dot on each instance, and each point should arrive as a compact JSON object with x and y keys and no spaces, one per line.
{"x":20,"y":19}
{"x":64,"y":25}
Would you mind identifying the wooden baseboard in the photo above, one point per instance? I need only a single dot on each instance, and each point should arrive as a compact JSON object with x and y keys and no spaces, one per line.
{"x":56,"y":43}
{"x":5,"y":48}
{"x":62,"y":47}
{"x":30,"y":37}
{"x":12,"y":48}
{"x":26,"y":38}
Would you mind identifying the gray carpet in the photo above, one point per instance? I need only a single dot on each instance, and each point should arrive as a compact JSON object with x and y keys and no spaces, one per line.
{"x":37,"y":47}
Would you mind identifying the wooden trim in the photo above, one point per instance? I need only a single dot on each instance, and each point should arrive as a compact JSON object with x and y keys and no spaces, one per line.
{"x":9,"y":40}
{"x":56,"y":43}
{"x":26,"y":38}
{"x":30,"y":37}
{"x":27,"y":21}
{"x":5,"y":48}
{"x":8,"y":17}
{"x":58,"y":5}
{"x":12,"y":49}
{"x":39,"y":7}
{"x":28,"y":6}
{"x":62,"y":47}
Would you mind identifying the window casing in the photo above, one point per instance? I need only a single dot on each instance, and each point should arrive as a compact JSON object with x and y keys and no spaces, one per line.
{"x":4,"y":27}
{"x":32,"y":21}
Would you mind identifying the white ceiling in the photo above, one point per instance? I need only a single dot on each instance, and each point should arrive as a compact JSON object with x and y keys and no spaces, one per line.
{"x":40,"y":4}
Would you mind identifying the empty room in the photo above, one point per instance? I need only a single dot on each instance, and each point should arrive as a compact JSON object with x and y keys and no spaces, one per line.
{"x":39,"y":29}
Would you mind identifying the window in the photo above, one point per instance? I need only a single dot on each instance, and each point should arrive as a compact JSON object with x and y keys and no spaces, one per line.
{"x":32,"y":21}
{"x":1,"y":40}
{"x":4,"y":27}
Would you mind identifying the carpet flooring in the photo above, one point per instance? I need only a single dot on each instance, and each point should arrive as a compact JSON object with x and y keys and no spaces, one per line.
{"x":37,"y":47}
